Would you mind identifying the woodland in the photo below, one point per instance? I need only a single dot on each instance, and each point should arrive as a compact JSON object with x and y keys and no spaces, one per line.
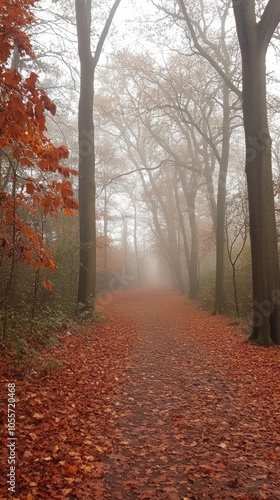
{"x":139,"y":248}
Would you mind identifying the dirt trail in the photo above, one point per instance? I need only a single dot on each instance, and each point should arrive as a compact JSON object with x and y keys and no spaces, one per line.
{"x":194,"y":420}
{"x":160,"y":402}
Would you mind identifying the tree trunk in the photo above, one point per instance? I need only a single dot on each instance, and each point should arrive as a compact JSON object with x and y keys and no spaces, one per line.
{"x":183,"y":229}
{"x":170,"y":219}
{"x":87,"y":185}
{"x":190,"y":193}
{"x":193,"y":269}
{"x":105,"y":219}
{"x":87,"y":274}
{"x":254,"y":38}
{"x":221,"y":207}
{"x":136,"y":251}
{"x":234,"y":285}
{"x":265,"y":265}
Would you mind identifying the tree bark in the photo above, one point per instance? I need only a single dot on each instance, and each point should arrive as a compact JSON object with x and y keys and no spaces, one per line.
{"x":221,"y":206}
{"x":136,"y":251}
{"x":182,"y":227}
{"x":87,"y":274}
{"x":190,"y":193}
{"x":253,"y":39}
{"x":193,"y":269}
{"x":87,"y":185}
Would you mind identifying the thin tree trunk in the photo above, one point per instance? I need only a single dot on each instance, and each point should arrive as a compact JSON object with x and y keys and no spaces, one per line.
{"x":136,"y":246}
{"x":190,"y":193}
{"x":9,"y":289}
{"x":183,"y":230}
{"x":235,"y":289}
{"x":193,"y":271}
{"x":221,"y":207}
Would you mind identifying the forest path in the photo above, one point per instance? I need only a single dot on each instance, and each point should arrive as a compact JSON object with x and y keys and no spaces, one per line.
{"x":197,"y":417}
{"x":160,"y":402}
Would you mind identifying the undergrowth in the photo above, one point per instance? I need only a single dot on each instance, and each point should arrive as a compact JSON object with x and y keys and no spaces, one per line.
{"x":32,"y":345}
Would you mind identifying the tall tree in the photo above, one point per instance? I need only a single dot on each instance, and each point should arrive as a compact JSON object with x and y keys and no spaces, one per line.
{"x":87,"y":188}
{"x":254,"y":36}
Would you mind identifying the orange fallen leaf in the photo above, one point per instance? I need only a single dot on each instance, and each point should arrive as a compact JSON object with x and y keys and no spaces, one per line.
{"x":38,"y":416}
{"x":72,"y":469}
{"x":207,"y":468}
{"x":99,"y":448}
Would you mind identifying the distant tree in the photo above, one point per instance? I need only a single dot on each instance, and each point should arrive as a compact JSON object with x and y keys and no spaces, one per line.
{"x":236,"y":227}
{"x":209,"y":41}
{"x":254,"y":36}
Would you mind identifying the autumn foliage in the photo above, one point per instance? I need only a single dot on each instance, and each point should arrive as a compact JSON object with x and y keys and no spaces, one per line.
{"x":34,"y":184}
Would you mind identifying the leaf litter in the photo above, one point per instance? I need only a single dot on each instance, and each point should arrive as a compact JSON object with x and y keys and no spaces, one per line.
{"x":161,"y":402}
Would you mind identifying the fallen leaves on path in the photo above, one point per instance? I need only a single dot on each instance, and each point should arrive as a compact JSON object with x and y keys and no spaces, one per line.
{"x":161,"y":402}
{"x":64,"y":420}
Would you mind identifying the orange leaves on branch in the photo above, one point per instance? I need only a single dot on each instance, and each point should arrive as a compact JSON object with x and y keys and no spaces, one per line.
{"x":48,"y":105}
{"x":66,"y":189}
{"x":31,"y":80}
{"x":63,"y":152}
{"x":14,"y":17}
{"x":30,"y":188}
{"x":23,"y":107}
{"x":47,"y":285}
{"x":12,"y":78}
{"x":25,"y":244}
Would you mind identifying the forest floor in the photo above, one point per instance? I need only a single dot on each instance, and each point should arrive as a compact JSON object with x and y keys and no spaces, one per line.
{"x":162,"y":401}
